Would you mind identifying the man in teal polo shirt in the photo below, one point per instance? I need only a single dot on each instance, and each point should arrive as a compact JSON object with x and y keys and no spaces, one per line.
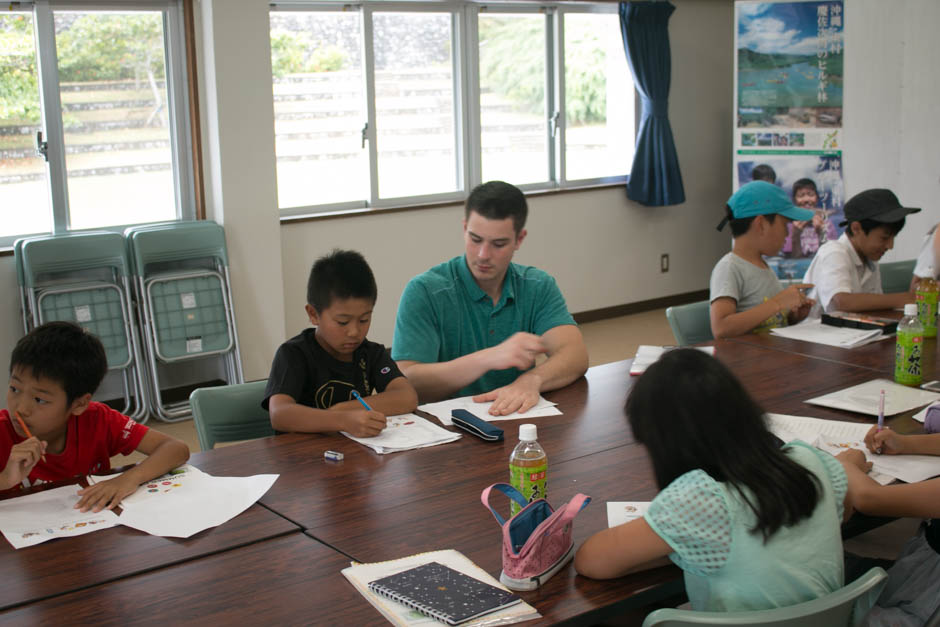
{"x":477,"y":323}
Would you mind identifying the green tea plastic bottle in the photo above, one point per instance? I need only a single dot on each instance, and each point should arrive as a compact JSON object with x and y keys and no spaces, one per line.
{"x":926,"y":294}
{"x":528,"y":467}
{"x":908,"y":349}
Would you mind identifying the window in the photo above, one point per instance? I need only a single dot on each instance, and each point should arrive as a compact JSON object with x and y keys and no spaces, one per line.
{"x":381,"y":104}
{"x":101,"y":94}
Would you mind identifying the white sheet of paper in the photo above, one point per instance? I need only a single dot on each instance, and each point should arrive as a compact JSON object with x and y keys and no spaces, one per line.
{"x":186,"y":501}
{"x":835,"y":436}
{"x":818,"y":333}
{"x":441,"y":410}
{"x":646,"y":355}
{"x":47,"y":515}
{"x":405,"y":432}
{"x":620,"y":512}
{"x":864,"y":397}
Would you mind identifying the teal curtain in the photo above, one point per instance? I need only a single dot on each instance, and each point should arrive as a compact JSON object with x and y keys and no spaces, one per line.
{"x":655,"y":179}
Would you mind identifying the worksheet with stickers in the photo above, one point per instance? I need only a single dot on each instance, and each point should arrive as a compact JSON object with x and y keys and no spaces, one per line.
{"x":47,"y":515}
{"x":186,"y":501}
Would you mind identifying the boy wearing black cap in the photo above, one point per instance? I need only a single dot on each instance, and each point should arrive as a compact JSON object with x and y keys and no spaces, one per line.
{"x":845,"y":272}
{"x":745,"y":294}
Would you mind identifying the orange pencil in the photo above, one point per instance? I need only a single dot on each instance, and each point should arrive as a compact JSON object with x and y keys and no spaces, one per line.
{"x":26,"y":429}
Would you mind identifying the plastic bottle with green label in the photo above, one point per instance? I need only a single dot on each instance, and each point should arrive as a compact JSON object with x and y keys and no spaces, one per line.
{"x":926,"y":296}
{"x":907,"y":352}
{"x":528,"y":467}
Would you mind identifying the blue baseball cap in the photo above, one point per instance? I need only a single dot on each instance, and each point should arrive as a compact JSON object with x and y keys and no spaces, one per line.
{"x":759,"y":198}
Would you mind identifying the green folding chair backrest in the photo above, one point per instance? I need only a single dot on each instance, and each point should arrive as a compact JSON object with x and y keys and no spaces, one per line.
{"x":229,"y":413}
{"x":189,"y":315}
{"x":175,"y":242}
{"x":842,"y":608}
{"x":76,"y":252}
{"x":896,"y":275}
{"x":691,"y":323}
{"x":97,"y":308}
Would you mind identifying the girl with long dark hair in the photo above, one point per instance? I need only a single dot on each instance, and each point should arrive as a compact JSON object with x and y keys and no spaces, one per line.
{"x":753,"y":525}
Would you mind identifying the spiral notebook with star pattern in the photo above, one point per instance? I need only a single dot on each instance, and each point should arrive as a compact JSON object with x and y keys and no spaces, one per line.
{"x":443,"y":593}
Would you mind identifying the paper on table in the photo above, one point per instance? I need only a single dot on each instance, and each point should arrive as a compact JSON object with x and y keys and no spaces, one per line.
{"x":441,"y":410}
{"x":47,"y":515}
{"x":620,"y":512}
{"x":841,"y":337}
{"x":186,"y":501}
{"x":646,"y":355}
{"x":834,"y":436}
{"x":863,"y":398}
{"x":405,"y":432}
{"x":359,"y":575}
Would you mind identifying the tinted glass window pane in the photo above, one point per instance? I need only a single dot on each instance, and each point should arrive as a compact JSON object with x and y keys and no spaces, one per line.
{"x":512,"y":98}
{"x":414,"y":101}
{"x":112,"y":81}
{"x":599,"y":103}
{"x":319,"y":108}
{"x":24,"y":192}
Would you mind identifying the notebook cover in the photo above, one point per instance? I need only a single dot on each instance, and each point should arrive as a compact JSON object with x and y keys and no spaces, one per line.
{"x":443,"y":593}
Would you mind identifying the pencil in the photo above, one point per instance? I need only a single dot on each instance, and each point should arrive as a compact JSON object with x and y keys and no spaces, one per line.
{"x":881,"y":411}
{"x":25,"y":429}
{"x":359,"y":398}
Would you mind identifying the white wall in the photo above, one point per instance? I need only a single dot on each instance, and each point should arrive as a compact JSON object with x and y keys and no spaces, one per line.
{"x":603,"y":249}
{"x":891,"y":116}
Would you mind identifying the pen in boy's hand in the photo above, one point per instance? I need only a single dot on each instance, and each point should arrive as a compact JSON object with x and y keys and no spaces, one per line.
{"x":26,"y":429}
{"x":881,"y":415}
{"x":356,"y":396}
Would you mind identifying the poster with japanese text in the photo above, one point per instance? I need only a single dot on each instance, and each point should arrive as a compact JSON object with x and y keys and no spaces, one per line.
{"x":788,"y":115}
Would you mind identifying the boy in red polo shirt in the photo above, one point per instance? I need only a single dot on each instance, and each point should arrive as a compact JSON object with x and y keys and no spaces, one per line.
{"x":54,"y":370}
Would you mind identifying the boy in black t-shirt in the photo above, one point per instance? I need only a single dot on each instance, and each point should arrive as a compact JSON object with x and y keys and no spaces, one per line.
{"x":315,"y":373}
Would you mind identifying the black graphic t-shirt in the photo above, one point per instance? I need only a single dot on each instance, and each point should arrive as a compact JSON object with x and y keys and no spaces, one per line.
{"x":303,"y":370}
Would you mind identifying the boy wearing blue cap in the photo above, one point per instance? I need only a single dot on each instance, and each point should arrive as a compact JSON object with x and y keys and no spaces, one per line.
{"x":845,"y":271}
{"x":745,"y":294}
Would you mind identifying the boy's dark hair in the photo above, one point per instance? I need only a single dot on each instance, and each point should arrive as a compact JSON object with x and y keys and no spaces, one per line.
{"x":497,"y":200}
{"x":804,"y":184}
{"x":763,"y":172}
{"x":341,"y":274}
{"x":65,"y":353}
{"x":867,"y":225}
{"x":739,"y":226}
{"x":714,"y":425}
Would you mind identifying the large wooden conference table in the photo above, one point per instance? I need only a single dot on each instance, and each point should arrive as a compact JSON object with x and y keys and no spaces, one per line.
{"x":279,"y":562}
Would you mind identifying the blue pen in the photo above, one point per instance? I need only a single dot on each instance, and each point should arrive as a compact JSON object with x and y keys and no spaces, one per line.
{"x":881,"y":416}
{"x":359,"y":398}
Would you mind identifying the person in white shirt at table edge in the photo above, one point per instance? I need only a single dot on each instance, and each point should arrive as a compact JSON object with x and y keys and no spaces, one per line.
{"x":845,"y":272}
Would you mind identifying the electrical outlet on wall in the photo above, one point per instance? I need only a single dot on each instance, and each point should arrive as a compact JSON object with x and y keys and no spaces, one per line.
{"x":664,"y":262}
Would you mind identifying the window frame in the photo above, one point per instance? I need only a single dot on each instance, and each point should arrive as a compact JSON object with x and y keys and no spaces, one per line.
{"x":50,"y":104}
{"x":466,"y":79}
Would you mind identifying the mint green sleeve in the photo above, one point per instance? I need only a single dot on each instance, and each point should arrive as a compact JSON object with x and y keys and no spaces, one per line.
{"x":417,"y":328}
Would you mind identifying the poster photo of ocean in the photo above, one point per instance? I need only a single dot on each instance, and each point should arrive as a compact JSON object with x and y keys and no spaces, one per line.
{"x":789,"y":69}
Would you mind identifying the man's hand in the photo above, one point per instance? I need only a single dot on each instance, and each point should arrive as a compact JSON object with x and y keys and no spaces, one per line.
{"x":519,"y":396}
{"x":107,"y":494}
{"x":856,"y":458}
{"x":885,"y":441}
{"x":364,"y":424}
{"x":23,"y":457}
{"x":518,"y":351}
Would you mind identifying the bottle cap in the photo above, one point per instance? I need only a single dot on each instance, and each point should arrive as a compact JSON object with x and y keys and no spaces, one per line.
{"x":528,"y":433}
{"x":910,"y":309}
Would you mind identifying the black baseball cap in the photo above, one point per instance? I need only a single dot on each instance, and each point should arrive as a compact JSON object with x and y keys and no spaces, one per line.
{"x":880,"y":205}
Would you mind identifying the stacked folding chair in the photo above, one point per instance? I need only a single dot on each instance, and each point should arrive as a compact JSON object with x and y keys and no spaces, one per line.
{"x":83,"y":278}
{"x":184,"y":306}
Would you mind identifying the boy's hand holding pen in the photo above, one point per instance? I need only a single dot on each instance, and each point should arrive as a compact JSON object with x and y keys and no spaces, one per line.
{"x":368,"y":424}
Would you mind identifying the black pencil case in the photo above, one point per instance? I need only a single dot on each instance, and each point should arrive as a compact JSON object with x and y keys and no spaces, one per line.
{"x":858,"y":321}
{"x":463,"y":419}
